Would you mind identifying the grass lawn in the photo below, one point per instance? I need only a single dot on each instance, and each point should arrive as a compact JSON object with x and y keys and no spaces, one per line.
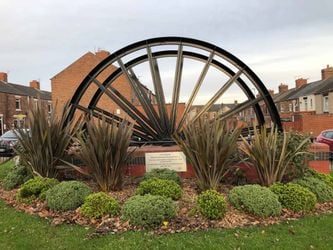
{"x":22,"y":231}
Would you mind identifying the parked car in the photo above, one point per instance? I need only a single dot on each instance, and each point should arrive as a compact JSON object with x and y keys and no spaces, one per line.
{"x":326,"y":137}
{"x":7,"y":142}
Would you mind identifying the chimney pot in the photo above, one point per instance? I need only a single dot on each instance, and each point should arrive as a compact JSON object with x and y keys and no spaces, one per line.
{"x":35,"y":84}
{"x":300,"y":82}
{"x":3,"y":77}
{"x":283,"y":88}
{"x":327,"y":72}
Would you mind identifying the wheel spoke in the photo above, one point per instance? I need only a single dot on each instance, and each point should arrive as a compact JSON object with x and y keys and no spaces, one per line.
{"x":218,"y":94}
{"x":109,"y":118}
{"x":155,"y":73}
{"x":125,"y":105}
{"x":196,"y":89}
{"x":143,"y":99}
{"x":239,"y":107}
{"x":176,"y":86}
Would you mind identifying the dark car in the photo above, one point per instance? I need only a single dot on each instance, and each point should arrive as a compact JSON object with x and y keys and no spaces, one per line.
{"x":326,"y":137}
{"x":7,"y":141}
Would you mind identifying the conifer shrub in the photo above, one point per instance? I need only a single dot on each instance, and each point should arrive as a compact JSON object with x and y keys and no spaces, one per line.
{"x":36,"y":188}
{"x":294,"y":197}
{"x":256,"y":200}
{"x":164,"y":173}
{"x":155,"y":186}
{"x":67,"y":195}
{"x":322,"y":191}
{"x":99,"y":204}
{"x":212,"y":204}
{"x":148,"y":210}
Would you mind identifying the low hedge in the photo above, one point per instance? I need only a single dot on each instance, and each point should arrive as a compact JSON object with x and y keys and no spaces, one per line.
{"x":99,"y":204}
{"x":164,"y":173}
{"x":160,"y":187}
{"x":16,"y":177}
{"x":212,"y":204}
{"x":322,"y":191}
{"x":67,"y":195}
{"x":295,"y":197}
{"x":256,"y":200}
{"x":36,"y":188}
{"x":148,"y":210}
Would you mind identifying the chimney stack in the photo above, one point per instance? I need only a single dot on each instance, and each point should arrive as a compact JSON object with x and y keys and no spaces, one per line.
{"x":3,"y":77}
{"x":271,"y":92}
{"x":326,"y":73}
{"x":102,"y":54}
{"x":283,"y":88}
{"x":35,"y":84}
{"x":300,"y":82}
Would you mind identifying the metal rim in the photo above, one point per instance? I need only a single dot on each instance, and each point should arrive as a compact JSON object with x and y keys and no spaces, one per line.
{"x":156,"y":126}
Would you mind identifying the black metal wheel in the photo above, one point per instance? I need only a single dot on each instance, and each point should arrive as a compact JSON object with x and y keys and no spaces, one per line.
{"x":157,"y":116}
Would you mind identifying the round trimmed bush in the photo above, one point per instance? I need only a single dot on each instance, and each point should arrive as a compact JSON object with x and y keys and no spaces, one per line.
{"x":160,"y":187}
{"x":164,"y":173}
{"x":256,"y":200}
{"x":36,"y":188}
{"x":17,"y":176}
{"x":148,"y":210}
{"x":323,"y":191}
{"x":328,"y":179}
{"x":67,"y":195}
{"x":294,"y":197}
{"x":99,"y":204}
{"x":212,"y":204}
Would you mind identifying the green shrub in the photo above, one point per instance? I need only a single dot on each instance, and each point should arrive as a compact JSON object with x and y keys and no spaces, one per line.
{"x":212,"y":204}
{"x":294,"y":197}
{"x":99,"y":204}
{"x":160,"y":187}
{"x":323,"y":191}
{"x":67,"y":195}
{"x":328,"y":179}
{"x":5,"y":168}
{"x":164,"y":173}
{"x":36,"y":188}
{"x":17,"y":176}
{"x":256,"y":200}
{"x":148,"y":210}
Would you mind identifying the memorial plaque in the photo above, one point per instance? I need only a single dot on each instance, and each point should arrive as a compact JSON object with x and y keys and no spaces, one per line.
{"x":170,"y":160}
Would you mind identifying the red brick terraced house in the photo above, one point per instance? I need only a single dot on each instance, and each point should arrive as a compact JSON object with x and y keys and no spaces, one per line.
{"x":309,"y":106}
{"x":15,"y":101}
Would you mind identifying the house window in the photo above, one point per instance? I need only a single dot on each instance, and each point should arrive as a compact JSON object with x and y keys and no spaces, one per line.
{"x":311,"y":104}
{"x":290,"y":107}
{"x":305,"y":99}
{"x":49,"y":107}
{"x":18,"y":103}
{"x":325,"y":104}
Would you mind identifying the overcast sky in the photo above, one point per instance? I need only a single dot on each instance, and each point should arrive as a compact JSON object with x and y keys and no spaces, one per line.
{"x":279,"y":40}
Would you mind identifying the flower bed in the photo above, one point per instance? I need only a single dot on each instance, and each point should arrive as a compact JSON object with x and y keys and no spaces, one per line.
{"x":188,"y":217}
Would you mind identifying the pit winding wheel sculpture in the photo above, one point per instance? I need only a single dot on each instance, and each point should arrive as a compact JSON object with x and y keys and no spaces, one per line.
{"x":154,"y":124}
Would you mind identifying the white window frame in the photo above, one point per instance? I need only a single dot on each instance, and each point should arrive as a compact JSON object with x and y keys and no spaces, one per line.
{"x":325,"y":104}
{"x":49,"y":107}
{"x":18,"y":101}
